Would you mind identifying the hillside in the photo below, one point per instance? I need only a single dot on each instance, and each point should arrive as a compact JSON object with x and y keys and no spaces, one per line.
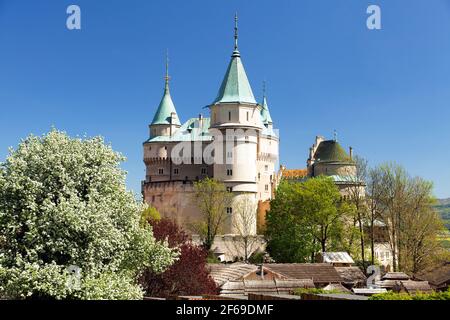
{"x":444,"y":209}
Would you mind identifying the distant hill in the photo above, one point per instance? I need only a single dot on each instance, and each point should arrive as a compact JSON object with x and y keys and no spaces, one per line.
{"x":443,"y":207}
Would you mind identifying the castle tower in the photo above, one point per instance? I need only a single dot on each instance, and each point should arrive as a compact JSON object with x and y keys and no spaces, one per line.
{"x":236,"y":125}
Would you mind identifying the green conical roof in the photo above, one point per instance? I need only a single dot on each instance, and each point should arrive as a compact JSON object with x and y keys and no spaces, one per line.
{"x":332,"y":151}
{"x":165,"y":108}
{"x":235,"y":85}
{"x":265,"y":114}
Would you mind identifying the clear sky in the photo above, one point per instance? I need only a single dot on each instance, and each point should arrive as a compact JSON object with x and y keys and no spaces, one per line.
{"x":386,"y":92}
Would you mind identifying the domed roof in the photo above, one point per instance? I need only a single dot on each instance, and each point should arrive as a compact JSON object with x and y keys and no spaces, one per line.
{"x":331,"y":151}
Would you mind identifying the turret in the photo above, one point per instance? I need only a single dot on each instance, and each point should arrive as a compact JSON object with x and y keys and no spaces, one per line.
{"x":165,"y":122}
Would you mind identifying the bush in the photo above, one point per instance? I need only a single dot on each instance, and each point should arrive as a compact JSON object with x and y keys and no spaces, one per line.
{"x":405,"y":296}
{"x":188,"y":275}
{"x":299,"y":292}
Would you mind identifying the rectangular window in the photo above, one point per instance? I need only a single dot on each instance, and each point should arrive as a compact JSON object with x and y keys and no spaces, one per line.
{"x":229,"y":154}
{"x":259,"y":176}
{"x":229,"y":172}
{"x":176,"y":171}
{"x":247,"y":116}
{"x":230,"y":189}
{"x":267,"y":187}
{"x":229,"y":210}
{"x":204,"y":171}
{"x":229,"y":115}
{"x":160,"y":171}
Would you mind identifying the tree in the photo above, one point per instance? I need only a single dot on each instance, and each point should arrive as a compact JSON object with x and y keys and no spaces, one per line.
{"x":187,"y":276}
{"x":69,"y":229}
{"x":373,"y":198}
{"x":320,"y":204}
{"x":149,"y":214}
{"x":356,"y":195}
{"x":244,"y":226}
{"x":306,"y":217}
{"x":289,"y":240}
{"x":212,"y":199}
{"x":406,"y":208}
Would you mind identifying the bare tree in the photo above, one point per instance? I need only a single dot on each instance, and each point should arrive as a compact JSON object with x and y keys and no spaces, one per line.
{"x":373,"y":196}
{"x":356,"y":193}
{"x":244,"y":226}
{"x":405,"y":206}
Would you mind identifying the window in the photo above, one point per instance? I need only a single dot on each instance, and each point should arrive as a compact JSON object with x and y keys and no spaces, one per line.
{"x":266,"y":168}
{"x":247,"y":116}
{"x":160,"y":171}
{"x":246,"y":139}
{"x":230,"y":189}
{"x":229,"y":210}
{"x":204,"y":171}
{"x":165,"y":148}
{"x":229,"y":154}
{"x":229,"y":115}
{"x":267,"y":187}
{"x":176,"y":171}
{"x":259,"y":176}
{"x":229,"y":172}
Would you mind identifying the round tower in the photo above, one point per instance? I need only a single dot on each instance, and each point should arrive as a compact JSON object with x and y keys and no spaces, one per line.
{"x":235,"y":126}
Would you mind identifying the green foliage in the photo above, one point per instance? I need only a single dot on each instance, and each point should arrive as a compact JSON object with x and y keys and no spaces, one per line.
{"x":257,"y":257}
{"x":63,"y":202}
{"x":419,"y":296}
{"x":150,"y":214}
{"x":289,"y":241}
{"x":299,"y":292}
{"x":211,"y":258}
{"x":305,"y":218}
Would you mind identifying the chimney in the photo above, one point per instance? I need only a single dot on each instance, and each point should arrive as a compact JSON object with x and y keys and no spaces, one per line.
{"x":351,"y":153}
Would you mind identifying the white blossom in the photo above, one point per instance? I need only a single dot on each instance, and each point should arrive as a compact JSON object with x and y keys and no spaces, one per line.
{"x":63,"y":202}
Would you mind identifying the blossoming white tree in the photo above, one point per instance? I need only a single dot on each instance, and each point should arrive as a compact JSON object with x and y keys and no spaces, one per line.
{"x":64,"y":207}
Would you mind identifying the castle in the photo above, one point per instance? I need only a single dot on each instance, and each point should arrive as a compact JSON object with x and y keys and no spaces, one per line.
{"x":236,"y":145}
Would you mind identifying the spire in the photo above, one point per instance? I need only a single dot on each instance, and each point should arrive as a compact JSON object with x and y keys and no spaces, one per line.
{"x":335,"y":135}
{"x":166,"y":107}
{"x":167,"y":77}
{"x":265,"y":114}
{"x":235,"y":85}
{"x":236,"y":50}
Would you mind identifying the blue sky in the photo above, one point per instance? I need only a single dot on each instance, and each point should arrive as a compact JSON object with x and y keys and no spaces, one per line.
{"x":386,"y":92}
